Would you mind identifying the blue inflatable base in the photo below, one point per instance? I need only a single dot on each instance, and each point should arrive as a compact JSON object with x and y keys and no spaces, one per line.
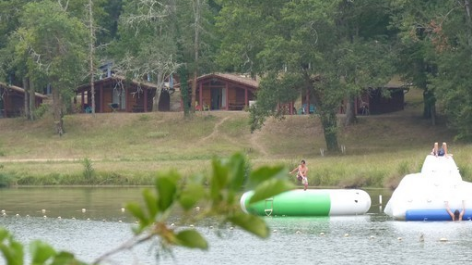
{"x":433,"y":215}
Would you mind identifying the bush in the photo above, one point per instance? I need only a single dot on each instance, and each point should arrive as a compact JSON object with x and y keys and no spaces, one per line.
{"x":41,"y":110}
{"x":88,"y":172}
{"x":5,"y":180}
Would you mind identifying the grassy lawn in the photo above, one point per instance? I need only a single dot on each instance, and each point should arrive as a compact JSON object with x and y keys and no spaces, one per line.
{"x":130,"y":149}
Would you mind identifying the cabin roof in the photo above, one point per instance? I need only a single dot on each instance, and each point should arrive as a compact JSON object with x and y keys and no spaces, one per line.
{"x":232,"y":78}
{"x":21,"y":90}
{"x":115,"y":79}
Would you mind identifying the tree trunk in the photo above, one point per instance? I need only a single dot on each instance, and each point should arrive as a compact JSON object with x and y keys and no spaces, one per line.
{"x":157,"y":96}
{"x":26,"y":98}
{"x":330,"y":129}
{"x":32,"y":100}
{"x":351,"y":117}
{"x":429,"y":109}
{"x":92,"y":55}
{"x":57,"y":111}
{"x":196,"y":48}
{"x":184,"y":89}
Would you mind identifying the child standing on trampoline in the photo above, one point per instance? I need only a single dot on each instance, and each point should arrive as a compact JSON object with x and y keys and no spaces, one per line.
{"x":302,"y":173}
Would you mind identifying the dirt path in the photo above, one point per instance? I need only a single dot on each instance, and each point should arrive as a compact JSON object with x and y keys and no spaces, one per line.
{"x":40,"y":160}
{"x":255,"y":142}
{"x":214,"y":132}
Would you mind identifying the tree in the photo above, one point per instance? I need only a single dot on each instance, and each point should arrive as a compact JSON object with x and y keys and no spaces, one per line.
{"x":304,"y":47}
{"x":451,"y":40}
{"x":218,"y":195}
{"x":55,"y":43}
{"x":416,"y":58}
{"x":146,"y":45}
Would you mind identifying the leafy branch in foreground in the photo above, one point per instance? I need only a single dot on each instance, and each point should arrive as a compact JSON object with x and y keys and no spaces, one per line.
{"x":218,"y":196}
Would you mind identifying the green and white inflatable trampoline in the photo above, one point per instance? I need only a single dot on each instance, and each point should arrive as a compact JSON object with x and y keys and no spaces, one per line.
{"x":319,"y":202}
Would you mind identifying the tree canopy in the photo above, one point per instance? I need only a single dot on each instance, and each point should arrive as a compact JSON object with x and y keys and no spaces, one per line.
{"x":328,"y":50}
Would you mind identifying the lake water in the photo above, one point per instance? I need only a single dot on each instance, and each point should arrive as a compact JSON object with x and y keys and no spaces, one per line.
{"x":373,"y":238}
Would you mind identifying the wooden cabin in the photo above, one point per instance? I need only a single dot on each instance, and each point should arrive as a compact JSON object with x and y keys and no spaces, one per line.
{"x":222,"y":91}
{"x":12,"y":100}
{"x":117,"y":94}
{"x":380,"y":100}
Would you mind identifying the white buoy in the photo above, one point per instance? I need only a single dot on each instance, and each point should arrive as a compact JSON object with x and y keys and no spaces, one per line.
{"x":122,"y":210}
{"x":59,"y":217}
{"x":83,"y":210}
{"x":43,"y":210}
{"x":372,"y":237}
{"x":346,"y":235}
{"x":45,"y":217}
{"x":17,"y":215}
{"x":197,"y":209}
{"x":443,"y":239}
{"x":400,"y":239}
{"x":321,"y":234}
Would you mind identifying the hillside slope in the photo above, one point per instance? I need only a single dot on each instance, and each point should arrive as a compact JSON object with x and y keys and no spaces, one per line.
{"x":382,"y":146}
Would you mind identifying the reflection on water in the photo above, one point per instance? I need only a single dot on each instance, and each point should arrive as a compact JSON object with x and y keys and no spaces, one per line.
{"x":369,"y":239}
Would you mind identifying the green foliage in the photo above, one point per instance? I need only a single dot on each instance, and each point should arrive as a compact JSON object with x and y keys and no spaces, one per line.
{"x":41,"y":110}
{"x":11,"y":249}
{"x":5,"y":178}
{"x":326,"y":51}
{"x":88,"y":172}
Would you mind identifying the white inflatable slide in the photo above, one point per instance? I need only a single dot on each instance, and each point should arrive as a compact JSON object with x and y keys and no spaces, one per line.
{"x":423,"y":196}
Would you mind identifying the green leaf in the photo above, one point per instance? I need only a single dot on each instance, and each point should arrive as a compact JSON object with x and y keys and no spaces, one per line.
{"x":3,"y":234}
{"x":166,"y":187}
{"x":191,"y":195}
{"x":251,"y":223}
{"x":138,"y":213}
{"x":151,"y":202}
{"x":269,"y":189}
{"x":192,"y":239}
{"x":265,"y":173}
{"x":66,"y":258}
{"x":238,"y":170}
{"x":12,"y":253}
{"x":41,"y":252}
{"x":218,"y":180}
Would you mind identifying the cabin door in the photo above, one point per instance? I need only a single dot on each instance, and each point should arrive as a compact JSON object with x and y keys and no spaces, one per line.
{"x":216,"y":97}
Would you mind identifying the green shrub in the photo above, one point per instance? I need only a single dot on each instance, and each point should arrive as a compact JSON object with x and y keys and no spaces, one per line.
{"x":88,"y":172}
{"x":5,"y":180}
{"x":41,"y":110}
